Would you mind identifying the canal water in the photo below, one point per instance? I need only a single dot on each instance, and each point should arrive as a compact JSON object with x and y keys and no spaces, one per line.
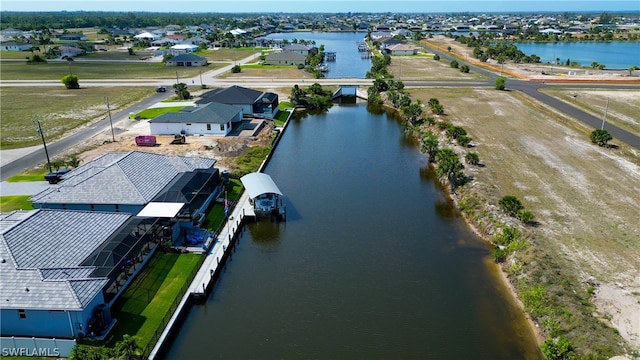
{"x":615,"y":55}
{"x":348,"y":63}
{"x":372,"y":263}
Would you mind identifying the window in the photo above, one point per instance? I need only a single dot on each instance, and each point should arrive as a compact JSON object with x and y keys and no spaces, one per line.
{"x":117,"y":208}
{"x":209,"y":127}
{"x":92,"y":207}
{"x":22,"y":314}
{"x":222,"y":127}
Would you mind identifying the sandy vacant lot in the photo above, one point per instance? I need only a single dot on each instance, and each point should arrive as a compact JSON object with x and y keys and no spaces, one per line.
{"x":585,"y":197}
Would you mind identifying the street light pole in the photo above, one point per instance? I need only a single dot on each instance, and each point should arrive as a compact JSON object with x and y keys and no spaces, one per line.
{"x":39,"y":131}
{"x":113,"y":137}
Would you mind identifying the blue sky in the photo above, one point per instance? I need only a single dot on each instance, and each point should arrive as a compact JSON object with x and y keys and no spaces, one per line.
{"x":324,"y":6}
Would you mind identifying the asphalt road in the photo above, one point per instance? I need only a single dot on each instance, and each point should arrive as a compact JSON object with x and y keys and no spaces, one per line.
{"x":530,"y":88}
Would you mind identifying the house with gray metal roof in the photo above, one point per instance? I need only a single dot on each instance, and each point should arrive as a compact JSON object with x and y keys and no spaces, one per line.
{"x":125,"y":182}
{"x":207,"y":119}
{"x":253,"y":102}
{"x":186,"y":59}
{"x":285,"y":58}
{"x":60,"y":269}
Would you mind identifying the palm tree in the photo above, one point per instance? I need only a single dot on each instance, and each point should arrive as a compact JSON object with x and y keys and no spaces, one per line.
{"x":73,"y":161}
{"x":127,"y":346}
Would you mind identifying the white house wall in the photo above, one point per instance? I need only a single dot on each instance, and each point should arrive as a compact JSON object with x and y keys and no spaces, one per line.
{"x":189,"y":129}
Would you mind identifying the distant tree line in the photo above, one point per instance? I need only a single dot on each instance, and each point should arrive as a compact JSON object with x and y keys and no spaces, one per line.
{"x":82,"y":19}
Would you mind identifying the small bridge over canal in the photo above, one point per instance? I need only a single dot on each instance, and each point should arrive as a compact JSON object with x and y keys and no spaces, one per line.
{"x":349,"y":91}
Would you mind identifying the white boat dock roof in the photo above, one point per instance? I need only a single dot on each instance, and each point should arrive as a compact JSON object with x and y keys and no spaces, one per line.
{"x":258,"y":184}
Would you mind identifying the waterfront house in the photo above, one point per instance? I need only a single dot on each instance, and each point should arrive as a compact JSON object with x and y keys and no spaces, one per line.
{"x":60,"y":270}
{"x":299,"y":49}
{"x":401,"y":50}
{"x":127,"y":182}
{"x":253,"y":102}
{"x":207,"y":119}
{"x":285,"y":58}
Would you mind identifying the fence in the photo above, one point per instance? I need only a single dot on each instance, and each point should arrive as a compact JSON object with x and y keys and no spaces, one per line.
{"x":49,"y":347}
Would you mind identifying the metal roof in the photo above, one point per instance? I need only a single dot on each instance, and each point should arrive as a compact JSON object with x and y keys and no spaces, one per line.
{"x":258,"y":184}
{"x":232,"y":95}
{"x":41,"y":258}
{"x":133,"y":178}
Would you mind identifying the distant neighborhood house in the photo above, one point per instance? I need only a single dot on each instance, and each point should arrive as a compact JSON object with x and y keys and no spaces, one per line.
{"x":401,"y":49}
{"x":15,"y":46}
{"x":183,"y":48}
{"x":187,"y":60}
{"x":285,"y":58}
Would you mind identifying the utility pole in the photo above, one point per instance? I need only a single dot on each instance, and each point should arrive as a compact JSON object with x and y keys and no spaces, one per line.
{"x":605,"y":114}
{"x":113,"y":137}
{"x":39,"y":131}
{"x":177,"y":80}
{"x":201,"y":78}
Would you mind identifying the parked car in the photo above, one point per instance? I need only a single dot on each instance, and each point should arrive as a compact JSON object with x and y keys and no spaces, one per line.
{"x":161,"y":89}
{"x":56,"y":176}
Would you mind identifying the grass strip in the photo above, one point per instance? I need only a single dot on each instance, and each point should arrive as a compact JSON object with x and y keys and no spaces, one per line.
{"x":142,"y":307}
{"x":16,"y":202}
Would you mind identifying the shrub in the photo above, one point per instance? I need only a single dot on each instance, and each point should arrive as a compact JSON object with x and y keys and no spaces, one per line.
{"x":453,"y":64}
{"x":236,"y":69}
{"x":464,"y":140}
{"x":600,"y":137}
{"x":510,"y":204}
{"x":436,"y":57}
{"x":525,"y":216}
{"x":500,"y":83}
{"x":557,"y":350}
{"x":499,"y":255}
{"x":472,"y":158}
{"x":71,"y":82}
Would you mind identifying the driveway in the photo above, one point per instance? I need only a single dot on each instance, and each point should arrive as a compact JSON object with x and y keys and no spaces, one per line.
{"x":22,"y":188}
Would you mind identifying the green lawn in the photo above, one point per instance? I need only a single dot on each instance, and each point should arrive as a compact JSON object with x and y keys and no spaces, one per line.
{"x":215,"y":214}
{"x":58,"y":109}
{"x":31,"y":175}
{"x":228,"y":54}
{"x":141,"y":308}
{"x":18,"y":202}
{"x":154,"y":112}
{"x":16,"y":70}
{"x":281,"y":116}
{"x":23,"y":55}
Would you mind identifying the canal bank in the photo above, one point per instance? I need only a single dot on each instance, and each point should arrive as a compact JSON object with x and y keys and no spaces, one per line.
{"x":221,"y":250}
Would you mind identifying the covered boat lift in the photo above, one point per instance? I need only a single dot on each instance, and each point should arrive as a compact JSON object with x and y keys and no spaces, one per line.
{"x":264,"y":195}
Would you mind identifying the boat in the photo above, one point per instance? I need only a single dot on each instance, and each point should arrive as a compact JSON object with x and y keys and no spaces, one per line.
{"x":323,"y":68}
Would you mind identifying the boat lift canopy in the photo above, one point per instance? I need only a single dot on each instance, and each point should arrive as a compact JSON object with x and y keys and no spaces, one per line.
{"x":258,"y":184}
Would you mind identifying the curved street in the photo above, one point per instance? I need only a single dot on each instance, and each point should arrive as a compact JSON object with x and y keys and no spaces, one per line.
{"x":20,"y":161}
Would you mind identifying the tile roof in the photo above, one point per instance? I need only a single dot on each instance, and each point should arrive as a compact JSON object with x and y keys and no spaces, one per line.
{"x":40,"y":258}
{"x":133,"y":178}
{"x":212,"y":113}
